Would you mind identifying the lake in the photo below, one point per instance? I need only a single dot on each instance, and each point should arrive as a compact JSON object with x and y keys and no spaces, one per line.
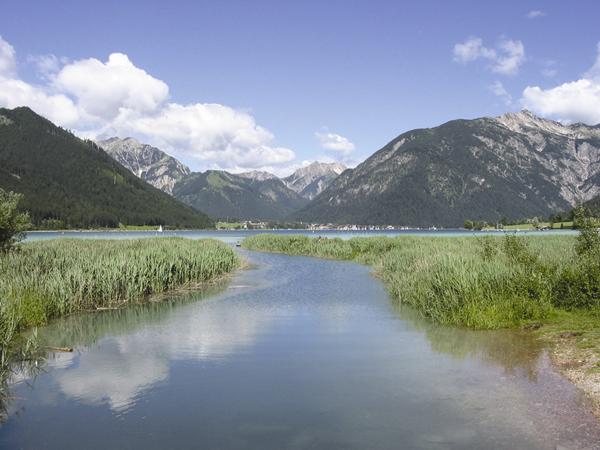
{"x":294,"y":352}
{"x":235,"y":236}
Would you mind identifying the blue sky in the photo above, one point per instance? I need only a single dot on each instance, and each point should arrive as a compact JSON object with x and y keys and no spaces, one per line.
{"x":296,"y":81}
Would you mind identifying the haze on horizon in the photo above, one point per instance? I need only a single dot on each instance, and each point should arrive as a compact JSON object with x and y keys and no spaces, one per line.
{"x":271,"y":85}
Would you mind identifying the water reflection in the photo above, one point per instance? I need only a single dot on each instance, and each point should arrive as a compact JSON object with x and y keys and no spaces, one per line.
{"x":513,"y":350}
{"x":297,"y":353}
{"x":134,"y":348}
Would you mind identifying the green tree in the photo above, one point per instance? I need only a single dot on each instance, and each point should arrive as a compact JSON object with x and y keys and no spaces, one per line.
{"x":588,"y":241}
{"x":13,"y":223}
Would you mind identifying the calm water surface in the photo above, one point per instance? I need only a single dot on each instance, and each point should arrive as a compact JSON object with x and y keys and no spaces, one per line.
{"x":235,"y":236}
{"x":293,"y":353}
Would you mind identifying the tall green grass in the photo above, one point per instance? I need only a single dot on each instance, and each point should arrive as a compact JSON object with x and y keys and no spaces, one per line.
{"x":42,"y":280}
{"x":484,"y":283}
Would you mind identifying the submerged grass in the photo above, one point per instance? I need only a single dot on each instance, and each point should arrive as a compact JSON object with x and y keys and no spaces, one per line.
{"x":484,"y":283}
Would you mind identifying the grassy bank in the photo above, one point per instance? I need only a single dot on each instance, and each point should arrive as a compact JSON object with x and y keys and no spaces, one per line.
{"x":550,"y":284}
{"x":43,"y":280}
{"x":485,"y":283}
{"x":529,"y":226}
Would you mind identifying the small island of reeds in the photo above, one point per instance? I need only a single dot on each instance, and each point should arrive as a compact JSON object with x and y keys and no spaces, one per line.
{"x":43,"y":280}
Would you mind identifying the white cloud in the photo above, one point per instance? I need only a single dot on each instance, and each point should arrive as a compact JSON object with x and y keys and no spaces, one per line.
{"x":103,"y":91}
{"x":573,"y":101}
{"x":56,"y":107}
{"x":498,"y":89}
{"x":208,"y":133}
{"x":334,"y":142}
{"x":472,"y":49}
{"x":511,"y":57}
{"x":98,"y":99}
{"x":534,"y":14}
{"x":505,"y":59}
{"x":8,"y":62}
{"x":47,"y":66}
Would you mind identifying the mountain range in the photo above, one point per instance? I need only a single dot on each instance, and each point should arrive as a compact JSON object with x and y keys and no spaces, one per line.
{"x":513,"y":166}
{"x":225,"y":195}
{"x":255,"y":195}
{"x":72,"y":183}
{"x":148,"y":163}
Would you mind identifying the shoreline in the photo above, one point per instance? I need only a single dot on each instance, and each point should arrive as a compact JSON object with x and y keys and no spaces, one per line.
{"x":573,"y":336}
{"x":581,"y":366}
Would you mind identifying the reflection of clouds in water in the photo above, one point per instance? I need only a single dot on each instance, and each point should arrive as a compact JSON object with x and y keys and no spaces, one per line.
{"x":111,"y":375}
{"x":119,"y":368}
{"x":216,"y":332}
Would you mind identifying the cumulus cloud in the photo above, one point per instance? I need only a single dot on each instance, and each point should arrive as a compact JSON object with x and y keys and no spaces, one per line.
{"x":15,"y":92}
{"x":8,"y":62}
{"x":573,"y":101}
{"x":472,"y":49}
{"x":103,"y":91}
{"x":56,"y":107}
{"x":534,"y":14}
{"x":115,"y":97}
{"x":334,"y":142}
{"x":498,"y":89}
{"x":209,"y":133}
{"x":47,"y":65}
{"x":505,"y":59}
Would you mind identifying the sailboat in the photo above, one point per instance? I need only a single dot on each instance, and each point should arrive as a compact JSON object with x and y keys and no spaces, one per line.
{"x":160,"y":229}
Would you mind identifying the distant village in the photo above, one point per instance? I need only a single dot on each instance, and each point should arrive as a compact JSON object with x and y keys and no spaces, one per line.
{"x":268,"y":225}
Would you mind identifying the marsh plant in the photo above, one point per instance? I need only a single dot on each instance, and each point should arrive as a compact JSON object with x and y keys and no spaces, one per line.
{"x":485,"y":283}
{"x":43,"y":280}
{"x":13,"y":223}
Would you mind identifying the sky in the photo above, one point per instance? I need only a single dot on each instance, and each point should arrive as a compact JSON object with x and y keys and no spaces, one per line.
{"x":273,"y":85}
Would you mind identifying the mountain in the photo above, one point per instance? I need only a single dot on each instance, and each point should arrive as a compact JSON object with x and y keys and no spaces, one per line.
{"x":311,"y":180}
{"x":255,"y":195}
{"x":225,"y":195}
{"x":148,"y":163}
{"x":258,"y":175}
{"x":593,"y":206}
{"x":514,"y":166}
{"x":66,"y":179}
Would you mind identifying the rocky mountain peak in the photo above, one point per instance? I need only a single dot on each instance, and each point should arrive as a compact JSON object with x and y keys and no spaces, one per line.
{"x":318,"y":168}
{"x":525,"y":120}
{"x":257,"y":175}
{"x":147,"y":162}
{"x":309,"y":181}
{"x":515,"y":165}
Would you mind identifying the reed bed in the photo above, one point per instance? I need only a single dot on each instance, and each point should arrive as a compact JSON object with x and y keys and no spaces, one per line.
{"x":484,"y":283}
{"x":43,"y":280}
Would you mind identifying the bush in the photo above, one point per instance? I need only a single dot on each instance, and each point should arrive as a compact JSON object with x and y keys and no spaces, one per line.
{"x":13,"y":223}
{"x":578,"y":285}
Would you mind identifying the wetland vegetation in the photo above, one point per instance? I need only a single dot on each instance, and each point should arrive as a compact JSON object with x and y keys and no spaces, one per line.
{"x":44,"y":280}
{"x":550,"y":284}
{"x":487,"y":282}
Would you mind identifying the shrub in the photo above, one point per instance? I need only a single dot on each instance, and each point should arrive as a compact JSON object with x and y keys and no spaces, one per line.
{"x":13,"y":223}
